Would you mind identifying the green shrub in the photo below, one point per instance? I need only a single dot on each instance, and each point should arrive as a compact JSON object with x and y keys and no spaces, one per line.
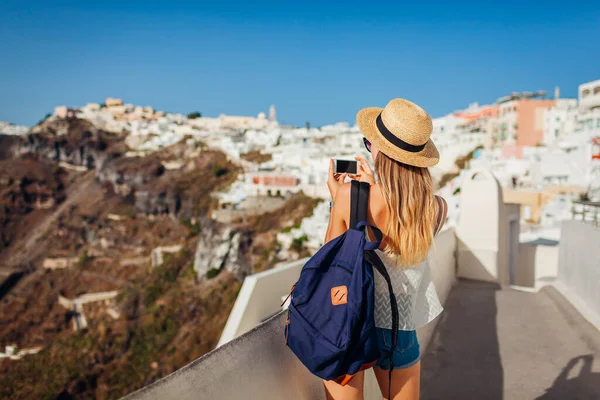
{"x":298,"y":243}
{"x":129,"y":211}
{"x":188,"y":272}
{"x":83,"y":258}
{"x":194,"y":115}
{"x":193,"y":229}
{"x":153,"y":293}
{"x":211,"y":273}
{"x":219,"y":171}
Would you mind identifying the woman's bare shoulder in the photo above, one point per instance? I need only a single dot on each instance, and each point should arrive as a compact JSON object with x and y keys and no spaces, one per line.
{"x":377,"y":207}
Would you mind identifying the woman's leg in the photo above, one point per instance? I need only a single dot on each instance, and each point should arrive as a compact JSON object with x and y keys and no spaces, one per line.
{"x":406,"y":382}
{"x":353,"y":390}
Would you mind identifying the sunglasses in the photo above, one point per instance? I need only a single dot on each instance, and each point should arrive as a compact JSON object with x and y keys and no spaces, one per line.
{"x":367,"y":144}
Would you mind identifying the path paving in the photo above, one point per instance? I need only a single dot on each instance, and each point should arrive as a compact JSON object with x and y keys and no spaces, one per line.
{"x":494,"y":343}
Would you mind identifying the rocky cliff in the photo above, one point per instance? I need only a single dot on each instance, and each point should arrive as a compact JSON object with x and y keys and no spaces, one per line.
{"x":74,"y":141}
{"x":27,"y":184}
{"x":85,"y":218}
{"x":183,"y":191}
{"x":220,"y":250}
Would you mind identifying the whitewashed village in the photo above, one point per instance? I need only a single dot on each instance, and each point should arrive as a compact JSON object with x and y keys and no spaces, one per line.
{"x":544,"y":150}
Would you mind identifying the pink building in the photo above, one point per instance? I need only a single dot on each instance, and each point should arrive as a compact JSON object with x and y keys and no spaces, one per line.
{"x":520,"y":120}
{"x":275,"y":180}
{"x":512,"y":151}
{"x":530,"y":121}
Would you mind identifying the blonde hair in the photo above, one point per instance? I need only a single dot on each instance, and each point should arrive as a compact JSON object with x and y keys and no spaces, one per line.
{"x":409,"y":197}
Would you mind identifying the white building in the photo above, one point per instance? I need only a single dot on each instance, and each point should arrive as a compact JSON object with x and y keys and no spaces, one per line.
{"x":560,"y":121}
{"x":7,"y":128}
{"x":589,"y":95}
{"x":445,"y":125}
{"x":588,"y":119}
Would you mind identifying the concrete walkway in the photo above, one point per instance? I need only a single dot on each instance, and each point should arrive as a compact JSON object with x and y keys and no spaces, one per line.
{"x":494,"y":343}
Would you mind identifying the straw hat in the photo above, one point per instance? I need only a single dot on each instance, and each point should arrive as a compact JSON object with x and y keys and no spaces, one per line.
{"x":401,"y":131}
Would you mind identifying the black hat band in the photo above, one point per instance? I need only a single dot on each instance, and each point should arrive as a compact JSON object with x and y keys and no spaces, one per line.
{"x":396,"y":140}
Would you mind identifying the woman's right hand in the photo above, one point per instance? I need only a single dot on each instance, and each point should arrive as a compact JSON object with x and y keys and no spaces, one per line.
{"x":365,"y":173}
{"x":334,"y":180}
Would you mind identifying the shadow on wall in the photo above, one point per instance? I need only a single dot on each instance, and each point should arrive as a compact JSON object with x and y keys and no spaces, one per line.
{"x":473,"y":263}
{"x":537,"y":261}
{"x":586,"y":385}
{"x":526,"y":262}
{"x":463,"y":358}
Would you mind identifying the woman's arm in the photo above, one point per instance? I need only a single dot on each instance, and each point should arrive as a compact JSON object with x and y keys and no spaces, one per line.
{"x":339,"y":217}
{"x":340,"y":213}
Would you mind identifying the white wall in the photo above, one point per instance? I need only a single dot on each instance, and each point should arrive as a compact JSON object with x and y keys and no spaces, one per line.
{"x":579,"y":268}
{"x":254,"y":366}
{"x":442,"y":259}
{"x":537,"y":265}
{"x":478,"y":226}
{"x":260,"y":298}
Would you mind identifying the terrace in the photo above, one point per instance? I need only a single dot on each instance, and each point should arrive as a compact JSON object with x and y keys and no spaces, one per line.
{"x":519,"y":322}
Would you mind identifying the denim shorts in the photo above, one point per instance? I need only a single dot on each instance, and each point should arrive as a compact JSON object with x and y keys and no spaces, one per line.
{"x":406,"y":353}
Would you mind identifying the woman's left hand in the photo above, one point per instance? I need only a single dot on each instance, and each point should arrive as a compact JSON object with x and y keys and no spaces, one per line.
{"x":334,"y":181}
{"x":365,"y":174}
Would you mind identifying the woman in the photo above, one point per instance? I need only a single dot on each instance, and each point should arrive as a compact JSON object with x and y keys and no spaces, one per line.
{"x":404,"y":207}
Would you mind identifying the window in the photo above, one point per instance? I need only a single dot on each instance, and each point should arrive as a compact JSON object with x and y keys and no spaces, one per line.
{"x":556,"y":133}
{"x":597,"y":90}
{"x":590,"y":123}
{"x":598,"y":123}
{"x":585,"y":92}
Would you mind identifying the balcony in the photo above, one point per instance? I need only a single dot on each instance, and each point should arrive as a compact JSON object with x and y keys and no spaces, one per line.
{"x":589,"y":96}
{"x":497,"y":339}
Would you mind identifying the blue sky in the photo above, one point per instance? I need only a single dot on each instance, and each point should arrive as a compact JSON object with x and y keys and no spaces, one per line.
{"x":316,"y":61}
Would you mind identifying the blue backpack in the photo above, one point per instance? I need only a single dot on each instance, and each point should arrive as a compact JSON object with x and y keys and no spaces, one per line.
{"x":330,"y":324}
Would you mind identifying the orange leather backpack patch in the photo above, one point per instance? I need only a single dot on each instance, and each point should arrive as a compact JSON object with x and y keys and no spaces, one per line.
{"x":339,"y":295}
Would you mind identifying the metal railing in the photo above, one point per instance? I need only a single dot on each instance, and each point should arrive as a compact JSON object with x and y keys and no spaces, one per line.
{"x":590,"y":209}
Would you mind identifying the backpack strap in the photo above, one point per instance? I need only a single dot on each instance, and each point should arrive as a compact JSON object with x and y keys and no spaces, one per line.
{"x":375,"y":261}
{"x":353,"y":203}
{"x":359,"y":202}
{"x":359,"y":205}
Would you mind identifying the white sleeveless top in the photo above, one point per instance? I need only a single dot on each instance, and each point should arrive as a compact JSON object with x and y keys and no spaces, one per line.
{"x":418,"y":302}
